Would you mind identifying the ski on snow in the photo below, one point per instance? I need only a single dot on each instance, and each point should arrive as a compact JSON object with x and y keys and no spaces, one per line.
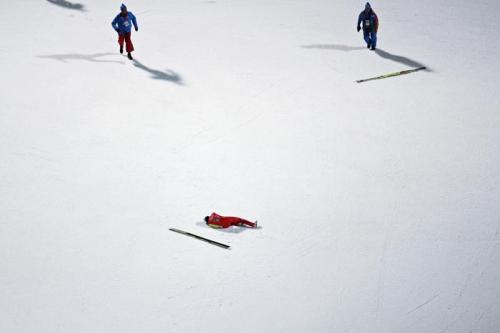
{"x":224,"y":246}
{"x":408,"y":71}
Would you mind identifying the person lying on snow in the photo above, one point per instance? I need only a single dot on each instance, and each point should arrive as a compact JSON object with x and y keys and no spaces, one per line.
{"x":218,"y":221}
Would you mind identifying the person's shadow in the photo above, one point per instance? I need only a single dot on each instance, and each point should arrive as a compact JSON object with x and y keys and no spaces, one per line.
{"x":381,"y":53}
{"x":399,"y":59}
{"x":67,"y":4}
{"x":334,"y":47}
{"x":95,"y":57}
{"x":167,"y":75}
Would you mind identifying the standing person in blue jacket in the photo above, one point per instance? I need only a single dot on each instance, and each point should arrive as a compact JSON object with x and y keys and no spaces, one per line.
{"x":123,"y":26}
{"x":370,"y":26}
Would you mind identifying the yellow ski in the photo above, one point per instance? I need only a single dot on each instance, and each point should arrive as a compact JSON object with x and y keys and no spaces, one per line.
{"x":385,"y":76}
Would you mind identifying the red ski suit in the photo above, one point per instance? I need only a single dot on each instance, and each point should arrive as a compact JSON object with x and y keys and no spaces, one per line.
{"x":218,"y":221}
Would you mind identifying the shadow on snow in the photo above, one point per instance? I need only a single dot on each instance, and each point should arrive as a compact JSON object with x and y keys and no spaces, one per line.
{"x":67,"y":4}
{"x":335,"y":47}
{"x":167,"y":75}
{"x":85,"y":57}
{"x":399,"y":59}
{"x":381,"y":53}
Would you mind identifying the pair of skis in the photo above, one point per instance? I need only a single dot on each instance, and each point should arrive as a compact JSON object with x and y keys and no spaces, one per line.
{"x":182,"y":232}
{"x":385,"y":76}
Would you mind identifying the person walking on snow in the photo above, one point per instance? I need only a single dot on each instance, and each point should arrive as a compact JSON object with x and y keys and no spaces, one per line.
{"x":370,"y":26}
{"x":123,"y":26}
{"x":218,"y":221}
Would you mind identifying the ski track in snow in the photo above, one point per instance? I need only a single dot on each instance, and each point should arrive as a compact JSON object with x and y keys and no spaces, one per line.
{"x":423,"y":304}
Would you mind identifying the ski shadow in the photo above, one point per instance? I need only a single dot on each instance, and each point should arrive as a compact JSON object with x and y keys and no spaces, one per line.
{"x":335,"y":47}
{"x":84,"y":57}
{"x":167,"y":75}
{"x":230,"y":230}
{"x":400,"y":59}
{"x":68,"y":5}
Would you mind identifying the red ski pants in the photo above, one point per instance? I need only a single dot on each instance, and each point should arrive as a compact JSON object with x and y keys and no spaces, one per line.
{"x":129,"y":47}
{"x":229,"y":221}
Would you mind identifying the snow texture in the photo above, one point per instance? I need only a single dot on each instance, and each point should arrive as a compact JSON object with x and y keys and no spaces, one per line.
{"x":379,"y":202}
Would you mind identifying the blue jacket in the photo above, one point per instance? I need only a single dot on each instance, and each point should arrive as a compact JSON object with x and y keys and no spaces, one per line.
{"x":124,"y":23}
{"x":369,"y":20}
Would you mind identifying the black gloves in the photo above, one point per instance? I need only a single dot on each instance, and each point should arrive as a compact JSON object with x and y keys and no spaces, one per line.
{"x":359,"y":28}
{"x":136,"y":28}
{"x":117,"y":30}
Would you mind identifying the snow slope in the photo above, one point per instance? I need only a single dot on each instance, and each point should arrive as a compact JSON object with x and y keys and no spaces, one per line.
{"x":379,"y":202}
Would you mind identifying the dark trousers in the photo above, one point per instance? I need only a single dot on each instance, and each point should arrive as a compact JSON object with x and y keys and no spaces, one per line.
{"x":370,"y":38}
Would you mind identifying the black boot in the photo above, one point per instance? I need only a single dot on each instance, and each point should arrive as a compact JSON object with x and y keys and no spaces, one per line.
{"x":129,"y":55}
{"x":373,"y":48}
{"x":121,"y":49}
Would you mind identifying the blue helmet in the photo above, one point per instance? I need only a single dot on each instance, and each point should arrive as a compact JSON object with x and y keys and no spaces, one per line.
{"x":123,"y":7}
{"x":368,"y":6}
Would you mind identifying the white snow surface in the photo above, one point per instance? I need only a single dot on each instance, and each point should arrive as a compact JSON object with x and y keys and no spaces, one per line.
{"x":379,"y":203}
